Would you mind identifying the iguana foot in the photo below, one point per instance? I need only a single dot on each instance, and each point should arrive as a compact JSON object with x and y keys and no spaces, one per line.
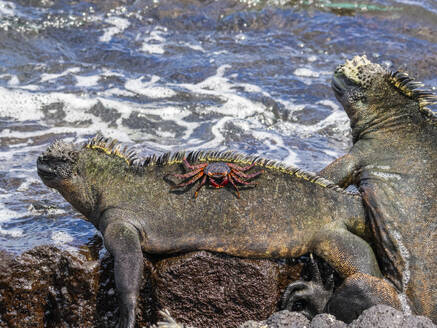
{"x":126,"y":320}
{"x":127,"y":311}
{"x":308,"y":297}
{"x":359,"y":292}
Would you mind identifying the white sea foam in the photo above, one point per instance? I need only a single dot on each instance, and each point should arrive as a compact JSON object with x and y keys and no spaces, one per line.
{"x":155,"y":41}
{"x":20,"y":104}
{"x":24,"y":105}
{"x":274,"y":143}
{"x":14,"y":233}
{"x":337,"y":120}
{"x":50,"y":77}
{"x":153,"y":48}
{"x":305,"y":72}
{"x":61,"y":237}
{"x":7,"y":8}
{"x":330,"y":152}
{"x":312,"y":58}
{"x":196,"y":47}
{"x":329,"y":103}
{"x":120,"y":24}
{"x":7,"y":215}
{"x":27,"y":182}
{"x":87,"y":81}
{"x":149,"y":88}
{"x":14,"y":80}
{"x":235,"y":105}
{"x":217,"y":130}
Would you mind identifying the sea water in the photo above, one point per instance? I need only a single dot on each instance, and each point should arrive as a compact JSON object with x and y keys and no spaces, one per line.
{"x":250,"y":76}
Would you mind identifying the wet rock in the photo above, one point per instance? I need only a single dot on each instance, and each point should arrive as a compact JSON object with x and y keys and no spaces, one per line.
{"x":47,"y":287}
{"x":207,"y":290}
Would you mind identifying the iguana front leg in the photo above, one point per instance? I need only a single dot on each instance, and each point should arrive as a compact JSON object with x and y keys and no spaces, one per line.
{"x":342,"y":171}
{"x":122,"y":240}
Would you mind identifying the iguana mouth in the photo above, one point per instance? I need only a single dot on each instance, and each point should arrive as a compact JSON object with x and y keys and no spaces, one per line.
{"x":337,"y":86}
{"x":341,"y":83}
{"x":44,"y":170}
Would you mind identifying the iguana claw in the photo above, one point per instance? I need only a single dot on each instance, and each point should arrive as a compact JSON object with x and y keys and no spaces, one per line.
{"x":308,"y":297}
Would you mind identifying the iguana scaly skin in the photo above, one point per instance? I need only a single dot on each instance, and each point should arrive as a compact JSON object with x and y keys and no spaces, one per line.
{"x":130,"y":201}
{"x":394,"y":162}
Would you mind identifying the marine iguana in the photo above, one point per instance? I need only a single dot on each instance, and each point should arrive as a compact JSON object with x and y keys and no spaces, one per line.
{"x":131,"y":202}
{"x":393,"y":161}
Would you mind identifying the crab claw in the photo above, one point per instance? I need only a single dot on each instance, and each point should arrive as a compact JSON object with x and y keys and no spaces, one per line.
{"x":308,"y":297}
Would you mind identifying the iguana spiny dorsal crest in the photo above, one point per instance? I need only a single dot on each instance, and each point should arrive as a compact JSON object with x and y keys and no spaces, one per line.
{"x":368,"y":75}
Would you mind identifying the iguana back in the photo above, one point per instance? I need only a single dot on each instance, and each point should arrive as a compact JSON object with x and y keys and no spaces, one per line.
{"x":276,"y":218}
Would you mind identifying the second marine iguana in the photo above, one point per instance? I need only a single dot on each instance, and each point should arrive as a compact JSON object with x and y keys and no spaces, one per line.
{"x":393,"y":161}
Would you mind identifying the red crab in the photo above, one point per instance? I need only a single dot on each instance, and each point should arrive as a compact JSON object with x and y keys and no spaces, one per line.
{"x":226,"y":172}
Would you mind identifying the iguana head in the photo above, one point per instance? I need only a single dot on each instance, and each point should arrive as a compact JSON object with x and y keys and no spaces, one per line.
{"x":374,"y":97}
{"x":58,"y":167}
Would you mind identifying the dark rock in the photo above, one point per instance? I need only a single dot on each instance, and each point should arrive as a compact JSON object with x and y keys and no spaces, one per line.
{"x":214,"y":290}
{"x":383,"y":316}
{"x":47,"y":287}
{"x":380,"y":316}
{"x":287,"y":319}
{"x":325,"y":320}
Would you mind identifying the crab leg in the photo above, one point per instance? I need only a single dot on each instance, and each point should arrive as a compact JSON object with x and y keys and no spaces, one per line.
{"x":235,"y":186}
{"x":188,"y":166}
{"x":194,"y":179}
{"x":246,"y":176}
{"x":219,"y":185}
{"x":236,"y":178}
{"x":187,"y":175}
{"x":239,"y":168}
{"x":200,"y":186}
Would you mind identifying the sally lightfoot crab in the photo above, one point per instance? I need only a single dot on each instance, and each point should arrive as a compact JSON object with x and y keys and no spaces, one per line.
{"x":219,"y":174}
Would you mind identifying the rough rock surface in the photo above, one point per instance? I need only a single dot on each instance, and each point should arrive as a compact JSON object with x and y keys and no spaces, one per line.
{"x":325,"y":320}
{"x":383,"y":316}
{"x":287,"y":319}
{"x":380,"y":316}
{"x":46,"y":287}
{"x":221,"y":289}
